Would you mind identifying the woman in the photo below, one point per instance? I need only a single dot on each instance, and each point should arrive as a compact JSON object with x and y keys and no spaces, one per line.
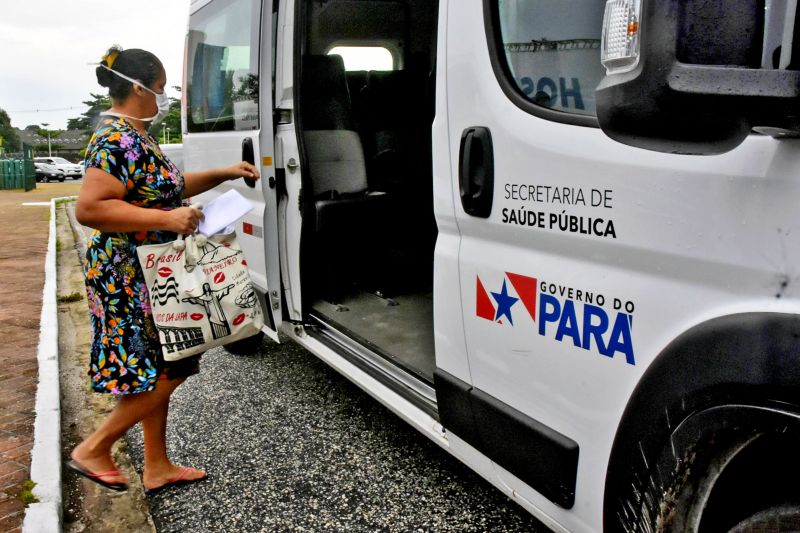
{"x":133,"y":195}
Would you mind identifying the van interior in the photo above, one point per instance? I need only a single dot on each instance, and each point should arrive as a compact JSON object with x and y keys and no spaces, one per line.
{"x":365,"y":110}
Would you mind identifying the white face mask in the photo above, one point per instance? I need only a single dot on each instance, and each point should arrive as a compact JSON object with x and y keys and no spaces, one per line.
{"x":162,"y":101}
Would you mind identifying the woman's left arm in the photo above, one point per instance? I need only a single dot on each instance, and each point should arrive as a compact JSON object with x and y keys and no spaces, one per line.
{"x":198,"y":182}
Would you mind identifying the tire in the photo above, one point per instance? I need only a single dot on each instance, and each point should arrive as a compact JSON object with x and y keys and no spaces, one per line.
{"x":61,"y":180}
{"x":725,"y":469}
{"x":247,"y":346}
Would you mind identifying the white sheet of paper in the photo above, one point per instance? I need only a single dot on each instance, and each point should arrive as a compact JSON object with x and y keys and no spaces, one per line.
{"x":224,"y":211}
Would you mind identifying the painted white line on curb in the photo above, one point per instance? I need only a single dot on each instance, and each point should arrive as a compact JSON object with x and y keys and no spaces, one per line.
{"x":45,"y":515}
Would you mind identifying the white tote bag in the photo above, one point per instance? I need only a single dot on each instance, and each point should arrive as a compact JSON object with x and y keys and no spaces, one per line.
{"x":200,"y":293}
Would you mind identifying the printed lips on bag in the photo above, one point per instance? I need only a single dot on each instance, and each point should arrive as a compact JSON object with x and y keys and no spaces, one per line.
{"x":201,"y":295}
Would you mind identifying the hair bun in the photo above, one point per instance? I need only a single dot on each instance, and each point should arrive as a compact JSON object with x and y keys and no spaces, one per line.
{"x":104,"y":77}
{"x":111,"y":56}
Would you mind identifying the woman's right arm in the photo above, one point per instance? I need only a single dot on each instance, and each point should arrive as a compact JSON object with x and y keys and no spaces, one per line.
{"x":101,"y":206}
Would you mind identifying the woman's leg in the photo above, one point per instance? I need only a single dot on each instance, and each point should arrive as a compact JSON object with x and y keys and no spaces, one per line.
{"x":154,"y":427}
{"x":158,"y":469}
{"x":94,"y":453}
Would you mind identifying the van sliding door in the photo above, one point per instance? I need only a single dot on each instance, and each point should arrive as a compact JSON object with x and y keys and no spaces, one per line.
{"x":228,"y":118}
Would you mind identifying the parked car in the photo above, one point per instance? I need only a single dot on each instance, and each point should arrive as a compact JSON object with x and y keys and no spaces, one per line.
{"x":70,"y":170}
{"x":47,"y":172}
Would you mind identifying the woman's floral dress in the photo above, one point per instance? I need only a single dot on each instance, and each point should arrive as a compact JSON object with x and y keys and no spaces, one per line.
{"x":126,"y":351}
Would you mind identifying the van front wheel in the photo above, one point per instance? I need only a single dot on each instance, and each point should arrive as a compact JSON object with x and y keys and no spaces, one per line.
{"x":726,"y":473}
{"x":246,"y":346}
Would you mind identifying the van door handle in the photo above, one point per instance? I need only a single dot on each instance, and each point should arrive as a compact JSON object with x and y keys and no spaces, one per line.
{"x":476,"y":171}
{"x":248,"y":154}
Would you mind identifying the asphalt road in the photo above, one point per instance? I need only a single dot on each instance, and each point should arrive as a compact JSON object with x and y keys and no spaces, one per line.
{"x":290,"y":445}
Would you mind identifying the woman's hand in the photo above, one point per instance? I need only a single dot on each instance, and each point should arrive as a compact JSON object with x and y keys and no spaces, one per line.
{"x":242,"y":169}
{"x":184,"y":220}
{"x":200,"y":182}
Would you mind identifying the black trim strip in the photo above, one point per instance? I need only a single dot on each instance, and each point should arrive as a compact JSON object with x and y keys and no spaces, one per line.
{"x":537,"y":454}
{"x":455,"y":409}
{"x":494,"y":38}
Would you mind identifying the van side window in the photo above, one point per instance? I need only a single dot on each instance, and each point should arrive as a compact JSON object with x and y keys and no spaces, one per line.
{"x":222,"y":67}
{"x":365,"y":57}
{"x":551,"y":49}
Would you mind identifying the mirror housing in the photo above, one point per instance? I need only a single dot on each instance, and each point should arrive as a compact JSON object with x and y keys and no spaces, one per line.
{"x":700,"y":86}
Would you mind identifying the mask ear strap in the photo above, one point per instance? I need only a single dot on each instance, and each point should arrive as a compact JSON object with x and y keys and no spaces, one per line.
{"x":128,"y":78}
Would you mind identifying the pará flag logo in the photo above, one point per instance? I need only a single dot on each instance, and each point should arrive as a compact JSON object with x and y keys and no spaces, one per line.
{"x":581,"y":317}
{"x":496,"y":306}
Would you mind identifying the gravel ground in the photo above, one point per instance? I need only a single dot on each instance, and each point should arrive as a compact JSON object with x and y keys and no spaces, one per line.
{"x":290,"y":445}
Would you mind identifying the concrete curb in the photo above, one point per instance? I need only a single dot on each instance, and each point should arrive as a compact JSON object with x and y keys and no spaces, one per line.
{"x":45,"y":515}
{"x":77,"y":230}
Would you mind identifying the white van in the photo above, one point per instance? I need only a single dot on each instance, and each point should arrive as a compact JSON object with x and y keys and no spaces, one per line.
{"x":608,"y":334}
{"x":174,"y":152}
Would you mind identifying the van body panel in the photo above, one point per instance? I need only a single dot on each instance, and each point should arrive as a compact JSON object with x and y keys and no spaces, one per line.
{"x":290,"y":223}
{"x":284,"y":58}
{"x":197,"y":4}
{"x":290,"y":219}
{"x":693,"y":238}
{"x":449,"y":332}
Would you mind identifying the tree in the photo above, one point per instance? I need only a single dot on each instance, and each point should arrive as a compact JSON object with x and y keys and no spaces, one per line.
{"x":88,"y":118}
{"x":8,"y":133}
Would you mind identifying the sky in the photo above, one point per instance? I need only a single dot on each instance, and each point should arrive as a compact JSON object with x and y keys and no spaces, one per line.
{"x":46,"y":46}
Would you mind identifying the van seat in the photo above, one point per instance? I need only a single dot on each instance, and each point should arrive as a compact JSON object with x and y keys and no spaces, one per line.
{"x":398,"y":153}
{"x":333,"y":147}
{"x":356,"y":84}
{"x":336,"y":161}
{"x":346,"y":212}
{"x":398,"y":133}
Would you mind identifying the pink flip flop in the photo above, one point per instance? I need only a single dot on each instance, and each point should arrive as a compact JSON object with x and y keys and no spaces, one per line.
{"x":97,"y":478}
{"x":176,"y":481}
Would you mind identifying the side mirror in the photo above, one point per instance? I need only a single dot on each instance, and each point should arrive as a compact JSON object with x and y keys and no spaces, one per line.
{"x":697,"y":76}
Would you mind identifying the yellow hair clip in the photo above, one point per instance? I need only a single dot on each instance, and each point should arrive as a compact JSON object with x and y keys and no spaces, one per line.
{"x":110,"y":58}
